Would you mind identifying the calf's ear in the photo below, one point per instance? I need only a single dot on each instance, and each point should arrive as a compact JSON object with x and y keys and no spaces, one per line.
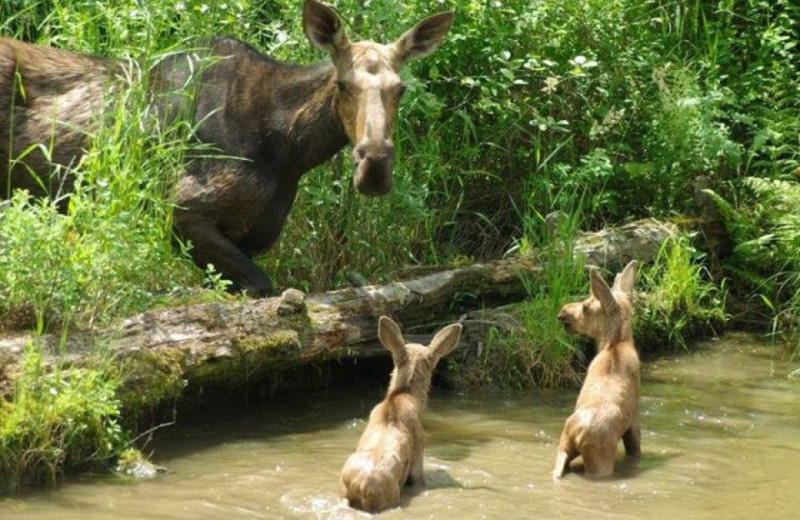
{"x":445,"y":341}
{"x":625,"y":280}
{"x":390,"y":336}
{"x":602,"y":291}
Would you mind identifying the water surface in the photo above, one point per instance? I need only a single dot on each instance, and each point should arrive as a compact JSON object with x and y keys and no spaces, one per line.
{"x":720,"y":439}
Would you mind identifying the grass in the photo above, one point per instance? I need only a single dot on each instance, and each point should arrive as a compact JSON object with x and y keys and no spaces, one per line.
{"x":60,"y":419}
{"x":527,"y":347}
{"x":680,"y":301}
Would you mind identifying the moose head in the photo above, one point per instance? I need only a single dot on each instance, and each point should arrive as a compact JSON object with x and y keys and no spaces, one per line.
{"x":368,"y":87}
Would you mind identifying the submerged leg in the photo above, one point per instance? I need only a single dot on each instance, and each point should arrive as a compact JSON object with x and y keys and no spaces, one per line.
{"x":416,"y":476}
{"x":599,"y":460}
{"x":632,"y":440}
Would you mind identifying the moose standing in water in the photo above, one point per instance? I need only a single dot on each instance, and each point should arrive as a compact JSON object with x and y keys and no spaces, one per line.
{"x":608,"y":404}
{"x":270,"y":121}
{"x":389,"y":453}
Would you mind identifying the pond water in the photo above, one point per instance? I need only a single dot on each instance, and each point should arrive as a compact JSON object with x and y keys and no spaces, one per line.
{"x":720,"y":439}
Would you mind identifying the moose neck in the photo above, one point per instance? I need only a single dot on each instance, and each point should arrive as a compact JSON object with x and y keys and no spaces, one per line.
{"x":315,"y":132}
{"x":417,"y":388}
{"x":619,"y":333}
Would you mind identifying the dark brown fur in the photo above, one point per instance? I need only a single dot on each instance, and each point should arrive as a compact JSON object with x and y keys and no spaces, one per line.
{"x":275,"y":120}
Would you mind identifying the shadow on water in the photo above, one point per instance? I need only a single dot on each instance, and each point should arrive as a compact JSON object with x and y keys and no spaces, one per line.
{"x":341,"y":391}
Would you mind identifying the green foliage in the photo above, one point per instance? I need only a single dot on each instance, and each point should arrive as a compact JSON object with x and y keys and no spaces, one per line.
{"x":528,"y":347}
{"x":600,"y":97}
{"x":111,"y":252}
{"x":764,"y":224}
{"x":679,"y":303}
{"x":60,"y":419}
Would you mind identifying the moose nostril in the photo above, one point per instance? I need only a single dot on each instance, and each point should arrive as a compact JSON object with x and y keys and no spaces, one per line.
{"x":359,"y":152}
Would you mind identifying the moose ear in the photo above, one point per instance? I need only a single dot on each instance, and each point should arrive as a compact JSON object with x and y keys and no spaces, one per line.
{"x":425,"y":37}
{"x":602,"y":291}
{"x":323,"y":27}
{"x":625,"y":280}
{"x":445,"y":341}
{"x":391,"y":337}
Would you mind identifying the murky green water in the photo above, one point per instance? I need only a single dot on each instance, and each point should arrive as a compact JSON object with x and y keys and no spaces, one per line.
{"x":720,"y":439}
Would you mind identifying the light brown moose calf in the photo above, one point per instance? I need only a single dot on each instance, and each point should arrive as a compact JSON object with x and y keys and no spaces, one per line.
{"x":608,"y":404}
{"x":389,"y":453}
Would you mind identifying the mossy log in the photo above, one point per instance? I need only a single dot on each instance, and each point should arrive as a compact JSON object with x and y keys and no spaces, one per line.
{"x":161,"y":351}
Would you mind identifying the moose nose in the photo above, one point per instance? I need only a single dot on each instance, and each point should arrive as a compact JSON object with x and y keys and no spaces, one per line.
{"x":377,"y":151}
{"x":563,"y":317}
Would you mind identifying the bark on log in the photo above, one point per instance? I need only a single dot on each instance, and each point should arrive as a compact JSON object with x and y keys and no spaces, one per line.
{"x":161,"y":351}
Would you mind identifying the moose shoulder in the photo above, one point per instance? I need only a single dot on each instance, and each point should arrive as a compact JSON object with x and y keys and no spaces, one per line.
{"x":270,"y":121}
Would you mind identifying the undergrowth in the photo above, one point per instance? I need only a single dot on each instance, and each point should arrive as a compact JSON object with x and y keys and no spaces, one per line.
{"x":763,"y":220}
{"x":60,"y":419}
{"x":679,"y":301}
{"x":525,"y":346}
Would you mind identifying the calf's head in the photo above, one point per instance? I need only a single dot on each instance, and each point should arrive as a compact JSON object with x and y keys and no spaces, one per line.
{"x":604,"y":316}
{"x":414,"y":363}
{"x":368,"y":88}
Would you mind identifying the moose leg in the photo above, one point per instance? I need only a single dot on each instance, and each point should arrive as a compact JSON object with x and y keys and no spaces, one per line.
{"x":598,"y":460}
{"x":632,"y":440}
{"x":566,"y":451}
{"x":210,"y":246}
{"x":416,"y":476}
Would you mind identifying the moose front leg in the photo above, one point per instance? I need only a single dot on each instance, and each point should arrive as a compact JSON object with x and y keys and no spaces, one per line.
{"x":210,"y":246}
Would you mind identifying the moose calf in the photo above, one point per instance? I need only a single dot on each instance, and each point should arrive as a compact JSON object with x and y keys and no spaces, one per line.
{"x":608,"y":404}
{"x":389,"y":454}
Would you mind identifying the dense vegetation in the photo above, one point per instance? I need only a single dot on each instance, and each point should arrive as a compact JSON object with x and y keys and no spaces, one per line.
{"x":604,"y":109}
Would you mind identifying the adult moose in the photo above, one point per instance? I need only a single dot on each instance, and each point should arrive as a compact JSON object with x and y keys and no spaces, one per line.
{"x":271,"y":121}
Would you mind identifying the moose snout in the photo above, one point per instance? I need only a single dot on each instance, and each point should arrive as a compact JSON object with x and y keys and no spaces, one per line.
{"x":374,"y":163}
{"x":377,"y":151}
{"x":566,"y":319}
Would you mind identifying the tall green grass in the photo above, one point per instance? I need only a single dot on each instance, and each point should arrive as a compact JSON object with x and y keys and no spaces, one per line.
{"x":61,"y":419}
{"x":680,"y":302}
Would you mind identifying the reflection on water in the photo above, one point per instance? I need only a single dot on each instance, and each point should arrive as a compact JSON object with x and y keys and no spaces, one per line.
{"x":720,"y":439}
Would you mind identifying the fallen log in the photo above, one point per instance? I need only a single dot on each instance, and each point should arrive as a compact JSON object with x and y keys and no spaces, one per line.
{"x":160,"y":352}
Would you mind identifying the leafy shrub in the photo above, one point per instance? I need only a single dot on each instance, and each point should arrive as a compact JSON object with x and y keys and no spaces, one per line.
{"x":679,"y":301}
{"x":764,"y":224}
{"x":59,"y":420}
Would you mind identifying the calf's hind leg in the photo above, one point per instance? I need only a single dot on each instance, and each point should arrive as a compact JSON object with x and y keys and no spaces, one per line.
{"x":599,"y":460}
{"x":566,"y":452}
{"x":632,"y":439}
